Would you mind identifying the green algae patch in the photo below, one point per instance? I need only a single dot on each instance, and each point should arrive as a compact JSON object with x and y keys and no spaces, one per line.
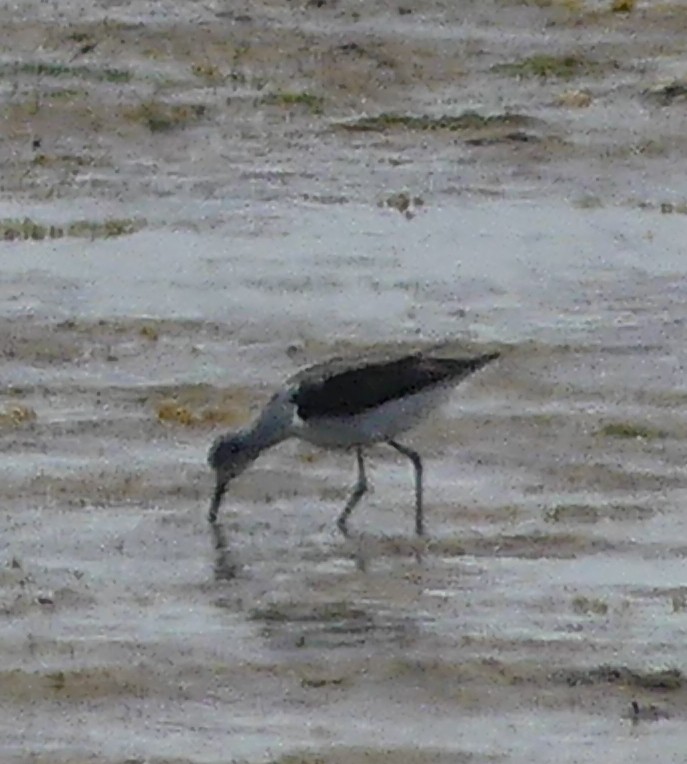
{"x":54,"y":69}
{"x":589,"y":606}
{"x":161,"y":117}
{"x":296,"y":612}
{"x":27,"y":229}
{"x":631,"y":431}
{"x":663,"y":679}
{"x":552,"y":67}
{"x":287,"y":99}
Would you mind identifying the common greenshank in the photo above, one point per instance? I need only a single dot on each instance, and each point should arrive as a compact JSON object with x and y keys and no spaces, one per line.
{"x":347,"y":404}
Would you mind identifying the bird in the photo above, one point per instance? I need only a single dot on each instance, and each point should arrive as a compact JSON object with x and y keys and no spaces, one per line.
{"x":347,"y":403}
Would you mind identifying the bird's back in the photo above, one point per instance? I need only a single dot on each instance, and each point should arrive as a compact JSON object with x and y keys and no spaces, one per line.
{"x":343,"y":388}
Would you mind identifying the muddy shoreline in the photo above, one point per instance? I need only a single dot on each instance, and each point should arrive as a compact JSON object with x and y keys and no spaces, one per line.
{"x":198,"y":200}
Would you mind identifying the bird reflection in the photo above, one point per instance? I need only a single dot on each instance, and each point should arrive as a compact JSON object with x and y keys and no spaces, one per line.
{"x":226,"y":567}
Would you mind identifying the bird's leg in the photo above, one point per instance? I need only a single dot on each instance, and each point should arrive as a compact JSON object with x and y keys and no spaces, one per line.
{"x":358,"y":491}
{"x":417,"y":466}
{"x":220,"y":488}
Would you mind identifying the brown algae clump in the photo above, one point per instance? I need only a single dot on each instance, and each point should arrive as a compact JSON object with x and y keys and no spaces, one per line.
{"x":172,"y":411}
{"x":17,"y":415}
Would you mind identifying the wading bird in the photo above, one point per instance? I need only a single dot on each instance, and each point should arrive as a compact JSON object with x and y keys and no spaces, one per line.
{"x":347,"y":404}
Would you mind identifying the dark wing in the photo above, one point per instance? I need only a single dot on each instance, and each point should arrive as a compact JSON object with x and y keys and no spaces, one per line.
{"x":353,"y":391}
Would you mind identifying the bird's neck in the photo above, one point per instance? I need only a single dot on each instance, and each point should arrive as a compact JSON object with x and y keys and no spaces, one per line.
{"x":272,"y":426}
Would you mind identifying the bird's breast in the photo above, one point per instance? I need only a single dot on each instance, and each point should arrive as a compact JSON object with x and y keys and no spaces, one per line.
{"x":382,"y":423}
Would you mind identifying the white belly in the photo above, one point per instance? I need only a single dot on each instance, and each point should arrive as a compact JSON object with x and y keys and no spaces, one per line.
{"x":379,"y":424}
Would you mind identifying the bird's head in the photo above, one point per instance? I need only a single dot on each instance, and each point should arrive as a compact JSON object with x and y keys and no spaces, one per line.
{"x":230,"y":454}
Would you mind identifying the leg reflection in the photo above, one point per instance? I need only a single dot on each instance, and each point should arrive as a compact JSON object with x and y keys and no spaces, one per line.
{"x":226,"y":566}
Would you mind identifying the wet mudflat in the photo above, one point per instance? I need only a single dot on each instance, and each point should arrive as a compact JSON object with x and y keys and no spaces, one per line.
{"x":207,"y":199}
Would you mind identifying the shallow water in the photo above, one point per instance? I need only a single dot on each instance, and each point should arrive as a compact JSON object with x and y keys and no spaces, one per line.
{"x":552,"y":589}
{"x":552,"y":547}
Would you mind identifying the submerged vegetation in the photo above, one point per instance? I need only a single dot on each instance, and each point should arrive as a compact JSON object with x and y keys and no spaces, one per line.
{"x":623,"y":6}
{"x":16,"y":415}
{"x":661,"y":679}
{"x":546,"y":66}
{"x":630,"y":430}
{"x":589,"y":606}
{"x":402,"y":201}
{"x":286,"y":98}
{"x":28,"y":229}
{"x":161,"y":117}
{"x":54,"y":69}
{"x":173,"y":412}
{"x":211,"y":73}
{"x":199,"y":405}
{"x":297,"y":612}
{"x":468,"y":120}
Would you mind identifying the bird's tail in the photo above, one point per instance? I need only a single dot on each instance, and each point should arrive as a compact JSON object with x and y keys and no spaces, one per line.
{"x":479,"y":362}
